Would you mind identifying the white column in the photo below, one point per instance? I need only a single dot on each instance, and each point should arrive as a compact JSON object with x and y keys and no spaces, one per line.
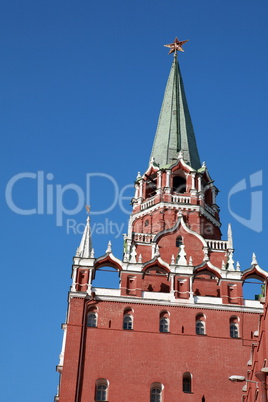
{"x":61,"y":357}
{"x":191,"y":288}
{"x":199,"y":184}
{"x":193,"y":181}
{"x":136,"y":191}
{"x":168,"y":178}
{"x":89,"y":281}
{"x":159,"y":179}
{"x":141,"y":188}
{"x":74,"y":279}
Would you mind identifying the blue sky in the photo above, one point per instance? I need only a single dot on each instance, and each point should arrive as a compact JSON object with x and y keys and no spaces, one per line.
{"x":81,"y":87}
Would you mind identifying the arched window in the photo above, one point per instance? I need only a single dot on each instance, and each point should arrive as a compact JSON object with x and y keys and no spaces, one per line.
{"x":92,"y":320}
{"x":127,"y":322}
{"x":179,"y":184}
{"x":92,"y":317}
{"x":164,"y":322}
{"x":156,"y":392}
{"x":101,"y":390}
{"x":200,"y":325}
{"x":128,"y":318}
{"x":151,"y":185}
{"x":234,"y":327}
{"x":179,"y":241}
{"x":187,"y":382}
{"x":164,"y":325}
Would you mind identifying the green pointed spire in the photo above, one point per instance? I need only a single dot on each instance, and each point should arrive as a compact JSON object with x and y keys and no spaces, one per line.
{"x":175,"y":131}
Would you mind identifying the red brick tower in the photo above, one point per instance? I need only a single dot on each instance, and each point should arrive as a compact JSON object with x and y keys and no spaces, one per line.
{"x":178,"y":325}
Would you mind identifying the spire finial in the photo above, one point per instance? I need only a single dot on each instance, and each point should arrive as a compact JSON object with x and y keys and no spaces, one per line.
{"x":230,"y":237}
{"x":176,"y":45}
{"x":175,"y":130}
{"x":254,"y":259}
{"x":85,"y":248}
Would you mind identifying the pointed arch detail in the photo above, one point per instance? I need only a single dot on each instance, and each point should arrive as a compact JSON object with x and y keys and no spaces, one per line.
{"x":108,"y":260}
{"x":206,"y":269}
{"x":179,"y":222}
{"x":156,"y":263}
{"x":255,"y":272}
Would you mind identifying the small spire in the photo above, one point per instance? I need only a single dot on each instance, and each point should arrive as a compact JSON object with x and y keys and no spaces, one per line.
{"x":175,"y":131}
{"x":182,"y":256}
{"x":140,"y":259}
{"x":133,"y":254}
{"x":172,"y":259}
{"x":109,"y":247}
{"x":180,"y":155}
{"x":85,"y":248}
{"x":190,"y":261}
{"x":152,"y":161}
{"x":254,"y":259}
{"x":223,"y":265}
{"x":138,"y":176}
{"x":237,"y":266}
{"x":230,"y":262}
{"x":230,"y":238}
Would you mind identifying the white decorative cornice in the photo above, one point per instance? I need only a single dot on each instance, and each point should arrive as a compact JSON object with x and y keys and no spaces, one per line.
{"x":183,"y":303}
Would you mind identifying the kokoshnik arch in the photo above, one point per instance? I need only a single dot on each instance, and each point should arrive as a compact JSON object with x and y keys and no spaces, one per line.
{"x":178,"y":326}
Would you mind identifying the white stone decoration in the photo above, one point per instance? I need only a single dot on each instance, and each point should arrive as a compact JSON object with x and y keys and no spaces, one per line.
{"x":109,"y":247}
{"x":180,"y":155}
{"x":230,"y":262}
{"x":157,"y":254}
{"x":182,"y":256}
{"x":254,"y":259}
{"x":230,"y":237}
{"x":133,"y":255}
{"x":85,"y":247}
{"x":206,"y":257}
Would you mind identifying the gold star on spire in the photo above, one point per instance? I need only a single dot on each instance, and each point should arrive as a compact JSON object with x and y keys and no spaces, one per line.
{"x":176,"y":45}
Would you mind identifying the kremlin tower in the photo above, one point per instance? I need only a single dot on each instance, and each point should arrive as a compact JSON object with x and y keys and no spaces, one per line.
{"x":178,"y":326}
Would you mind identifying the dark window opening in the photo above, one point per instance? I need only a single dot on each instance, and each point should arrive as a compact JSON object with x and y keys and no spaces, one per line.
{"x":155,"y":395}
{"x":187,"y":383}
{"x":127,"y":322}
{"x":179,"y":184}
{"x":101,"y":393}
{"x":151,"y":185}
{"x":179,"y":241}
